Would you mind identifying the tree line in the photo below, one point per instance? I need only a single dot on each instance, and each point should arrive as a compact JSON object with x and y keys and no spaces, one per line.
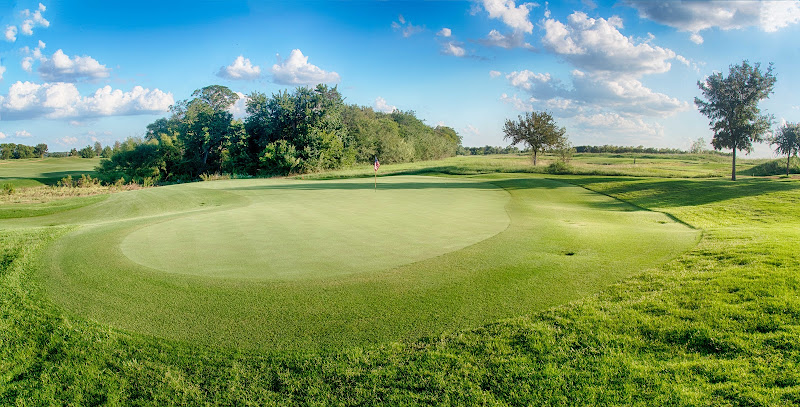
{"x":305,"y":130}
{"x":12,"y":151}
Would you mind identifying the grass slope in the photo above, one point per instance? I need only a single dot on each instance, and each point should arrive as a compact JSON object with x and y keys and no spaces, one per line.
{"x":716,"y":326}
{"x":562,"y":243}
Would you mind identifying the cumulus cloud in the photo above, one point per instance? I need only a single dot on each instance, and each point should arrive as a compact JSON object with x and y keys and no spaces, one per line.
{"x":445,"y":32}
{"x":239,"y":109}
{"x":11,"y":33}
{"x":381,"y":105}
{"x":61,"y":68}
{"x":452,"y":48}
{"x":494,"y":74}
{"x":696,"y":16}
{"x":514,"y":40}
{"x":28,"y":100}
{"x":614,"y":124}
{"x":538,"y":85}
{"x":33,"y":19}
{"x":296,"y":70}
{"x":23,"y":134}
{"x":241,"y":68}
{"x":516,"y":17}
{"x":596,"y":45}
{"x":68,"y":140}
{"x":2,"y":135}
{"x":406,"y":28}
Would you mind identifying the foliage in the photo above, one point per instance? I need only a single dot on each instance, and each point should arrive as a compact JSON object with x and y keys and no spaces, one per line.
{"x":87,"y":152}
{"x":8,"y":188}
{"x":731,"y":104}
{"x":306,"y":130}
{"x":486,"y":150}
{"x":787,"y":141}
{"x":698,"y":146}
{"x":9,"y":151}
{"x":627,"y":149}
{"x":537,"y":130}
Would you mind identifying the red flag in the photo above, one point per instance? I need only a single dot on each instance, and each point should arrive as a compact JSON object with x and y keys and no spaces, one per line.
{"x":377,"y":164}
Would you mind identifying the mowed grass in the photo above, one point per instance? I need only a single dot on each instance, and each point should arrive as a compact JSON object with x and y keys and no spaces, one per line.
{"x":305,"y":265}
{"x":716,"y":326}
{"x":33,"y":172}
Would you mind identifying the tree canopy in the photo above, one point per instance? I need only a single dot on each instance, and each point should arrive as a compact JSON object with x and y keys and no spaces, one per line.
{"x":537,"y":130}
{"x":731,"y":104}
{"x":299,"y":131}
{"x":787,"y":142}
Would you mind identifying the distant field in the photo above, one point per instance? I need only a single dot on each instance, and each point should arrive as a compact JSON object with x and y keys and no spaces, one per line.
{"x":44,"y":171}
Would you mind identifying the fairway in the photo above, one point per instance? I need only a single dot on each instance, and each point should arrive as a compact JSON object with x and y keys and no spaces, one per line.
{"x":297,"y":264}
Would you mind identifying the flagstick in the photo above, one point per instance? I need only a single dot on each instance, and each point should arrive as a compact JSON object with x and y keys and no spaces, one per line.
{"x":376,"y":180}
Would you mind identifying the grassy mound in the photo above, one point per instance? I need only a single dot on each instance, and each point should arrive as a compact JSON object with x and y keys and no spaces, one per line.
{"x":281,"y":292}
{"x":775,"y":167}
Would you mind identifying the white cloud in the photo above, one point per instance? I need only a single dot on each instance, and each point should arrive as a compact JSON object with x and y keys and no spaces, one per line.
{"x":27,"y":64}
{"x":11,"y":33}
{"x":517,"y":103}
{"x":23,"y":134}
{"x":296,"y":70}
{"x":613,"y":124}
{"x":596,"y":45}
{"x":512,"y":15}
{"x":445,"y":32}
{"x":2,"y":135}
{"x":26,"y":28}
{"x":696,"y":38}
{"x":61,"y":68}
{"x":239,"y":109}
{"x":241,"y":68}
{"x":514,"y":40}
{"x":451,"y":48}
{"x":68,"y":140}
{"x":41,"y":44}
{"x":625,"y":94}
{"x":382,"y":106}
{"x":28,"y":100}
{"x":696,"y":16}
{"x":2,"y":71}
{"x":495,"y":74}
{"x":406,"y":28}
{"x":538,"y":85}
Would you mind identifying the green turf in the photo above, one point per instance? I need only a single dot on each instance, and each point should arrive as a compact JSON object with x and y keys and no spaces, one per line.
{"x":280,"y":278}
{"x":717,"y":326}
{"x":44,"y":171}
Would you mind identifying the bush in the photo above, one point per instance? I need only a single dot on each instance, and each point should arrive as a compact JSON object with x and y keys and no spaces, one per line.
{"x":559,"y":167}
{"x":8,"y":188}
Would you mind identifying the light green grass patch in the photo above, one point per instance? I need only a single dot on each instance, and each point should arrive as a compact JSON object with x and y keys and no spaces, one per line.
{"x":44,"y":171}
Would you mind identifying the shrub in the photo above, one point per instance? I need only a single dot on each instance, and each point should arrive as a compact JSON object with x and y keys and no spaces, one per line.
{"x":8,"y":188}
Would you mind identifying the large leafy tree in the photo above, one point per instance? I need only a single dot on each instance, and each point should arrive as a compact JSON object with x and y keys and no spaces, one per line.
{"x":787,"y":141}
{"x":537,"y":130}
{"x":731,"y":104}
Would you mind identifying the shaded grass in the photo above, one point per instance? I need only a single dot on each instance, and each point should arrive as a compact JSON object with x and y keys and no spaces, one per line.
{"x":717,"y":326}
{"x":44,"y":171}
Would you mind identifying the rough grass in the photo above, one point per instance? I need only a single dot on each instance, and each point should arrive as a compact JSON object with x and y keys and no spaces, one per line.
{"x":718,"y":326}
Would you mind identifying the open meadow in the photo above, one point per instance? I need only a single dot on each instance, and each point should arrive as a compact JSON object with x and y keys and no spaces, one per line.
{"x":470,"y":280}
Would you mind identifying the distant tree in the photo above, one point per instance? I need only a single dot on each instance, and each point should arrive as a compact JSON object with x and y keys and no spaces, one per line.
{"x":73,"y":152}
{"x":787,"y":141}
{"x":537,"y":130}
{"x":698,"y":146}
{"x":731,"y":104}
{"x":40,"y":150}
{"x":107,"y":152}
{"x":87,"y":152}
{"x":98,"y":148}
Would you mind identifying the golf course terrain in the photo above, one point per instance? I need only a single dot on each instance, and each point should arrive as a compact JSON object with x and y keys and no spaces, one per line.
{"x":455,"y":282}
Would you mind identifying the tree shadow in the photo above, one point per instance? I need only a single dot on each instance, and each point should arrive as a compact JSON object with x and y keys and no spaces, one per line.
{"x":685,"y":192}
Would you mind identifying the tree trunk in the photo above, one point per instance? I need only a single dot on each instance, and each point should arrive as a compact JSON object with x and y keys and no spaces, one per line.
{"x":534,"y":157}
{"x":733,"y":165}
{"x":788,"y":157}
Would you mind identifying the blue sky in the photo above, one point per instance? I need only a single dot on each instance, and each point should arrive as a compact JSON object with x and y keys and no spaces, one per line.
{"x":619,"y":72}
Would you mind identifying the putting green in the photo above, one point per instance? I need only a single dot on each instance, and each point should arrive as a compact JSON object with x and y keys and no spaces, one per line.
{"x":319,"y":229}
{"x":294,"y":264}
